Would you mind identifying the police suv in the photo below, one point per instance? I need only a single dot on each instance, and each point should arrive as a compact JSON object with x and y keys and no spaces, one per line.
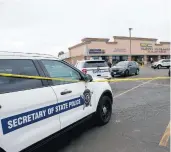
{"x":33,"y":107}
{"x":95,"y":68}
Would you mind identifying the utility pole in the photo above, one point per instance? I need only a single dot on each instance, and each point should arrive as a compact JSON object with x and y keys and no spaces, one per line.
{"x":130,"y":29}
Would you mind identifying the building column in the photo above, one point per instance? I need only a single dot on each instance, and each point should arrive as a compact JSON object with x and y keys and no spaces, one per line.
{"x":145,"y":59}
{"x":159,"y":57}
{"x":110,"y":59}
{"x":129,"y":57}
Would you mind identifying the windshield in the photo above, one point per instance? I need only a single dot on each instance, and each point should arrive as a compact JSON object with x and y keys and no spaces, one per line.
{"x":92,"y":64}
{"x":122,"y":64}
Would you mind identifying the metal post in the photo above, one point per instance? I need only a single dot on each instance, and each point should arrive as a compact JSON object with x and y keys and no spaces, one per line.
{"x":130,"y":29}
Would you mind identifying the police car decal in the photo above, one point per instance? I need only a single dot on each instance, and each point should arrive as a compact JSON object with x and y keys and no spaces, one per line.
{"x":87,"y":98}
{"x":15,"y":122}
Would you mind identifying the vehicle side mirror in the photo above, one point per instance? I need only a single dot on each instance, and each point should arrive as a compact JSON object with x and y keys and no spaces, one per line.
{"x":88,"y":78}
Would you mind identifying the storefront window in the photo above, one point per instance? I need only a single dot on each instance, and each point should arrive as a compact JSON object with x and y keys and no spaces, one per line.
{"x":124,"y":58}
{"x":106,"y":58}
{"x":96,"y":57}
{"x":165,"y":57}
{"x":116,"y":59}
{"x":137,"y":58}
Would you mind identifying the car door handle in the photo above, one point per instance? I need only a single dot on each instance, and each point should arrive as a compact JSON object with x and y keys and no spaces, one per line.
{"x":66,"y":92}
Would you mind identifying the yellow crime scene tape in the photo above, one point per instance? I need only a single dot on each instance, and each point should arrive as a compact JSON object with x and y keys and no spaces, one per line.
{"x":70,"y":80}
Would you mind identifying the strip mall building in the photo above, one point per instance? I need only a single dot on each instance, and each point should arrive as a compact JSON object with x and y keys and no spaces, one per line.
{"x":120,"y":49}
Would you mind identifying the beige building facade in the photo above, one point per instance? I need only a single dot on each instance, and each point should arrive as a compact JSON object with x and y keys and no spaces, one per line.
{"x":120,"y":49}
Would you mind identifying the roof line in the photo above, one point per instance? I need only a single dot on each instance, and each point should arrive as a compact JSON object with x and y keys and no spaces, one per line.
{"x":88,"y":40}
{"x":134,"y":38}
{"x":79,"y":44}
{"x":95,"y":39}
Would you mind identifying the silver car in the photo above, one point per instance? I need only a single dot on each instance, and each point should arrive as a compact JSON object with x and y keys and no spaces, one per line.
{"x":125,"y":68}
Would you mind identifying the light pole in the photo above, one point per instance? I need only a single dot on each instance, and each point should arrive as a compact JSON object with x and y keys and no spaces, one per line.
{"x":130,"y":29}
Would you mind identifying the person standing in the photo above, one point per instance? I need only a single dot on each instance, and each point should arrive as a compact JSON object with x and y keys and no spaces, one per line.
{"x":151,"y":60}
{"x":142,"y":60}
{"x":109,"y":64}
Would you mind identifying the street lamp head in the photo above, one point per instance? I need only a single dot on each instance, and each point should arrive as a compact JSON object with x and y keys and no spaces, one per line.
{"x":130,"y":29}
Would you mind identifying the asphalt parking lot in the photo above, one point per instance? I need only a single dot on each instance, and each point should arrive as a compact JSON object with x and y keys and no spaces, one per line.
{"x":140,"y":116}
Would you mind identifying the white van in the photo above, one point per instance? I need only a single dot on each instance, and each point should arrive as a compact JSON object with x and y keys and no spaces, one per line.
{"x":33,"y":109}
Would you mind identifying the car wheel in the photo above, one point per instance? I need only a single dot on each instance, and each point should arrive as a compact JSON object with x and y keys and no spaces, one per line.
{"x":159,"y":66}
{"x":137,"y":72}
{"x":126,"y":73}
{"x":112,"y":75}
{"x":168,"y":67}
{"x":104,"y":111}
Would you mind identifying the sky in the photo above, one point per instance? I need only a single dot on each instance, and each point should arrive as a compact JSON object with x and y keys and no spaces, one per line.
{"x":50,"y":26}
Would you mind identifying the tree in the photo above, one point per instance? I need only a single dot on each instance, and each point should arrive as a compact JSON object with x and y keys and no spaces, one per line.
{"x":60,"y":53}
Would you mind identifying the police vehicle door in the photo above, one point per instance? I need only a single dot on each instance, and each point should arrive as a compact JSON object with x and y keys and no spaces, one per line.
{"x":73,"y":96}
{"x":23,"y":106}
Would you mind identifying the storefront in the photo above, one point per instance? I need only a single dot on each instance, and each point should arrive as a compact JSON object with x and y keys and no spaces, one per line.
{"x":142,"y":49}
{"x":97,"y":54}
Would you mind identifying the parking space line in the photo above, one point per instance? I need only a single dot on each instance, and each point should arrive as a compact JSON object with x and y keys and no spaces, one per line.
{"x":132,"y":89}
{"x":165,"y":138}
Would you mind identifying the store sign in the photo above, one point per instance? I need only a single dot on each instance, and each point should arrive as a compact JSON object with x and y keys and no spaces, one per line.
{"x":149,"y":48}
{"x":119,"y":50}
{"x":96,"y":51}
{"x":158,"y":50}
{"x":146,"y":46}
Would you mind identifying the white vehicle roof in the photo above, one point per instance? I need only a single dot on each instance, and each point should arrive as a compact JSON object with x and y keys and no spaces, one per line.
{"x":162,"y":60}
{"x":23,"y":55}
{"x":91,"y":60}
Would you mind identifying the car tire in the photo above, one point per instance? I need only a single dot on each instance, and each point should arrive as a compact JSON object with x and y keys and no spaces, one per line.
{"x":104,"y":111}
{"x":159,"y":66}
{"x":126,"y":73}
{"x":137,"y":72}
{"x":168,"y":67}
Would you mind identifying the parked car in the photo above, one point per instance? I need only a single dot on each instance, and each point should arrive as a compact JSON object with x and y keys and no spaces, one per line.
{"x":31,"y":110}
{"x":161,"y":63}
{"x":125,"y":68}
{"x":95,"y":68}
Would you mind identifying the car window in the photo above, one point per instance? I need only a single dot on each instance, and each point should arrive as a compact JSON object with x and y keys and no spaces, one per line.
{"x":57,"y":69}
{"x":164,"y":61}
{"x":21,"y":67}
{"x":122,"y":63}
{"x":92,"y":64}
{"x":167,"y":60}
{"x":134,"y":63}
